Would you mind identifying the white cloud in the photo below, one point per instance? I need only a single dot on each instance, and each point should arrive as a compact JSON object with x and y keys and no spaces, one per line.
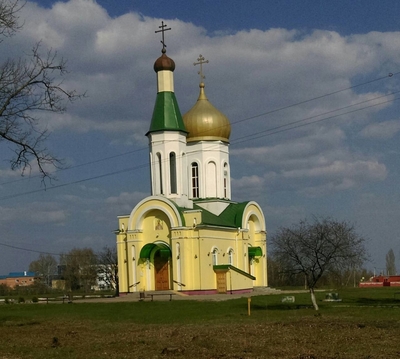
{"x":248,"y":181}
{"x":298,"y":148}
{"x":111,"y":59}
{"x":125,"y":201}
{"x":31,"y":171}
{"x":35,"y":213}
{"x":321,"y":156}
{"x":382,"y":130}
{"x":126,"y":198}
{"x":338,"y":169}
{"x":250,"y":73}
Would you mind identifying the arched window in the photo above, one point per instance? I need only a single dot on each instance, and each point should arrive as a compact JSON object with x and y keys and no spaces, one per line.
{"x":215,"y":256}
{"x":195,"y":180}
{"x":211,"y":180}
{"x":158,"y":175}
{"x":225,"y":180}
{"x":230,"y":256}
{"x":172,"y":172}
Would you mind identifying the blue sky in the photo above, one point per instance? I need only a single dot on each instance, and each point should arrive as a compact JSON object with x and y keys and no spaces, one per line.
{"x":346,"y":17}
{"x":323,"y":65}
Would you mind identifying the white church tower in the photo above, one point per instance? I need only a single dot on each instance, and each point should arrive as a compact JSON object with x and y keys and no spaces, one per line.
{"x":189,"y":155}
{"x":167,"y":137}
{"x":208,"y":152}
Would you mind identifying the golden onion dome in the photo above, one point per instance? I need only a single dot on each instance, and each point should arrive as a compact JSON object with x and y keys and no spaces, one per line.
{"x":204,"y":122}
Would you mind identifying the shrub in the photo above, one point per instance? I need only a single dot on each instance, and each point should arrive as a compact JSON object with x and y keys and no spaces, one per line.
{"x":4,"y":290}
{"x":35,"y":299}
{"x":21,"y":300}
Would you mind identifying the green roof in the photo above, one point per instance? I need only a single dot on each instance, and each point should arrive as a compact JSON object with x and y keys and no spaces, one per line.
{"x":148,"y":248}
{"x":166,"y":114}
{"x":255,"y":252}
{"x":227,"y":267}
{"x":230,"y":217}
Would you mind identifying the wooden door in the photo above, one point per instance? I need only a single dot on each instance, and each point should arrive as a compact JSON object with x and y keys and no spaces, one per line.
{"x":161,"y":272}
{"x":221,"y":282}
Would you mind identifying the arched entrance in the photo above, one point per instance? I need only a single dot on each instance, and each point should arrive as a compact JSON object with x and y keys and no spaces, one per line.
{"x":159,"y":253}
{"x":252,"y":254}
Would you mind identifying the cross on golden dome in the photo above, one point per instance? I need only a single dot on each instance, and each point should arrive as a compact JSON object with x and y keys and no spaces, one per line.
{"x":201,"y":60}
{"x":163,"y":29}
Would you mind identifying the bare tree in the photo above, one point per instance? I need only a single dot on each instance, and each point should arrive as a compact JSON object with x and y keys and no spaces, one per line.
{"x":80,"y":269}
{"x":45,"y":267}
{"x":314,"y":249}
{"x":390,"y":263}
{"x":108,"y":267}
{"x":28,"y":87}
{"x":9,"y":23}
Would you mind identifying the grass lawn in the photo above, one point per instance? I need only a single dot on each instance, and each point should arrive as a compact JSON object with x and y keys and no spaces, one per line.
{"x":366,"y":324}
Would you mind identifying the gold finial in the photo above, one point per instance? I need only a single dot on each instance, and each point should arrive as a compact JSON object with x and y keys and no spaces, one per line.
{"x":162,"y":27}
{"x":201,"y":60}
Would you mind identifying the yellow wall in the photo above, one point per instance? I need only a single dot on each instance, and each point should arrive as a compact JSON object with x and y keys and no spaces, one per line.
{"x":237,"y":281}
{"x":156,"y":219}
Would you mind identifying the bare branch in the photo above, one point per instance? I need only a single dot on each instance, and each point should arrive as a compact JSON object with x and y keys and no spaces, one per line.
{"x":9,"y":23}
{"x":316,"y":248}
{"x":27,"y":88}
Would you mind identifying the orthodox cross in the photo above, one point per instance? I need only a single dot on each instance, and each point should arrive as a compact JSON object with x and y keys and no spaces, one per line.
{"x":162,"y":27}
{"x":201,"y":60}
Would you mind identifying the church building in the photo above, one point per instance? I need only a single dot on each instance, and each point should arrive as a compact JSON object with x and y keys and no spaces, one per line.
{"x":188,"y":235}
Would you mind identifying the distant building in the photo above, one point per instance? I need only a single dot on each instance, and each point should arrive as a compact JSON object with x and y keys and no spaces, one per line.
{"x":103,"y":282}
{"x":381,"y":281}
{"x":188,"y":235}
{"x":58,"y":281}
{"x":15,"y":279}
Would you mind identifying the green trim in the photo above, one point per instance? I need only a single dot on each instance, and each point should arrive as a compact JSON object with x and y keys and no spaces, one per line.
{"x":166,"y":114}
{"x":145,"y":252}
{"x":255,"y":252}
{"x":227,"y":267}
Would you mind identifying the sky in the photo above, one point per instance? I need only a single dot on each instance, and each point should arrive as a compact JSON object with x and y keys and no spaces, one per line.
{"x":311,"y":90}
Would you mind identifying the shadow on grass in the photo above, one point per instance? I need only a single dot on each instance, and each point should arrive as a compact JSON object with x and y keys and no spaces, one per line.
{"x":378,"y":301}
{"x":278,"y":306}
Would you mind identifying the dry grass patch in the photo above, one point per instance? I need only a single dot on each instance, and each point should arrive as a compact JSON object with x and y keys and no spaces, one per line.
{"x":312,"y":337}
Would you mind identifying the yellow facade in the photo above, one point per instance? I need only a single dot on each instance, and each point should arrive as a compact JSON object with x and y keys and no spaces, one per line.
{"x":193,"y":249}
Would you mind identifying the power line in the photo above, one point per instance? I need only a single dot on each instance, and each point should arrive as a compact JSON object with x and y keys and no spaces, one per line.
{"x":239,"y":140}
{"x":322,"y":114}
{"x":318,"y":97}
{"x":264,"y":133}
{"x":74,"y":182}
{"x":79,"y":165}
{"x":43,"y":252}
{"x":233,"y":123}
{"x":326,"y":118}
{"x":27,"y":250}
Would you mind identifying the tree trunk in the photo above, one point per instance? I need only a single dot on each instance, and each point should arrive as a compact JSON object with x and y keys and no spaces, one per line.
{"x":314,"y":301}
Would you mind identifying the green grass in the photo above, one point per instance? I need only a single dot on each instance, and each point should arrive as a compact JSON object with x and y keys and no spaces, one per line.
{"x":268,"y":307}
{"x":365,"y":324}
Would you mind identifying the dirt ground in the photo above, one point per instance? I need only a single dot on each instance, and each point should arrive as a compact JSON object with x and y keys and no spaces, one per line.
{"x":310,"y":338}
